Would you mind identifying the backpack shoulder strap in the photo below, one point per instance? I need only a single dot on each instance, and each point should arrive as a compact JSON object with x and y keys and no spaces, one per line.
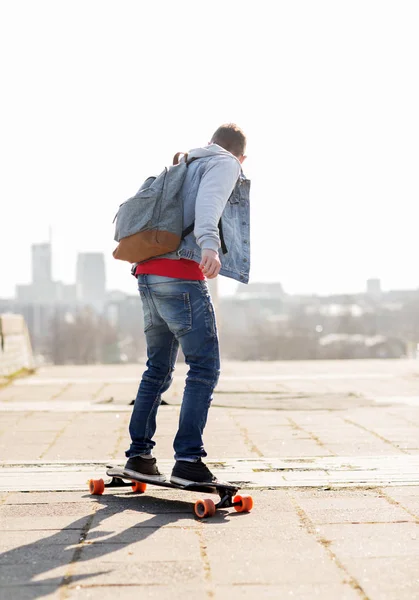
{"x":188,"y":230}
{"x":191,"y":227}
{"x":176,"y":158}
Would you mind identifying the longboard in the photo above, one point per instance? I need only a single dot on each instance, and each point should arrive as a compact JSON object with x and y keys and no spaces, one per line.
{"x":203,"y":508}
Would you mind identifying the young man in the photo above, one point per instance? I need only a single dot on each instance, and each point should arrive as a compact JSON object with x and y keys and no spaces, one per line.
{"x":177,"y":305}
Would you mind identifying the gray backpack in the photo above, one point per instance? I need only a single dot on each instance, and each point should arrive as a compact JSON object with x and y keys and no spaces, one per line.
{"x":150,"y":223}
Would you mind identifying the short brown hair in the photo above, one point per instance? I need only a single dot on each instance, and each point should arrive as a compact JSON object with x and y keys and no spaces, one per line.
{"x":231,"y":138}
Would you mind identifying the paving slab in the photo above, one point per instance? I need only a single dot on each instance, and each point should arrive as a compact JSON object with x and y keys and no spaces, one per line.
{"x":9,"y":591}
{"x":155,"y":591}
{"x":112,"y":573}
{"x":229,"y":568}
{"x":296,"y":590}
{"x":341,"y":510}
{"x":16,"y":540}
{"x":387,"y":578}
{"x":378,"y":540}
{"x":401,"y":497}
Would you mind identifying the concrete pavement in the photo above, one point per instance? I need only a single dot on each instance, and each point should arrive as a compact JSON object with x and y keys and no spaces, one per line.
{"x":328,"y":450}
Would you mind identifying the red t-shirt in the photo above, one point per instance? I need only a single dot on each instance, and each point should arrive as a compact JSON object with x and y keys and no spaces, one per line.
{"x":179,"y":269}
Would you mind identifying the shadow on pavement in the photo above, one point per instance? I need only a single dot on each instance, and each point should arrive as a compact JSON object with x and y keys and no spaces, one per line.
{"x":21,"y":567}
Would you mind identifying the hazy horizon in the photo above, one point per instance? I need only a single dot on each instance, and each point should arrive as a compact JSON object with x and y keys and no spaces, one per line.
{"x":98,"y":96}
{"x":226,"y":286}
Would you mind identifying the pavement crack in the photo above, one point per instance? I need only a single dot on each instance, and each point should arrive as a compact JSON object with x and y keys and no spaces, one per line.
{"x":57,"y":436}
{"x":375,"y":434}
{"x":394,"y":502}
{"x":309,"y":526}
{"x":5,"y":497}
{"x":313,"y":436}
{"x":101,"y":388}
{"x":88,"y":586}
{"x":61,"y":391}
{"x":251,"y":445}
{"x":369,"y":522}
{"x":69,"y":575}
{"x":205,"y":562}
{"x":121,"y":435}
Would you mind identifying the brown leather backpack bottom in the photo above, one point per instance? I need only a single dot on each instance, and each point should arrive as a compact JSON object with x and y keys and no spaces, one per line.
{"x":146,"y":244}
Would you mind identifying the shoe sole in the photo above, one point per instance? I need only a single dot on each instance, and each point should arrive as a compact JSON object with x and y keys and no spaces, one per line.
{"x":137,"y":474}
{"x":180,"y":481}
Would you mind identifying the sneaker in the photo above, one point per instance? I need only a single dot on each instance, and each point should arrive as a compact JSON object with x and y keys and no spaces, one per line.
{"x":185,"y":472}
{"x":144,"y":466}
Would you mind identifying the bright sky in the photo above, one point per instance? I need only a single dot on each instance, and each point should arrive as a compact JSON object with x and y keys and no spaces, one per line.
{"x":98,"y":95}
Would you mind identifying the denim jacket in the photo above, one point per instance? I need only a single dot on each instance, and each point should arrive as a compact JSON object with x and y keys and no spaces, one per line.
{"x":235,"y":225}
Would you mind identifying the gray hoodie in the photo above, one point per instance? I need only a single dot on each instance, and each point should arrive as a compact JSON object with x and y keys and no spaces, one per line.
{"x":207,"y":187}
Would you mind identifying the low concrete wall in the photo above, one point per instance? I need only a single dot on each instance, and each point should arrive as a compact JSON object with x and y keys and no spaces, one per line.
{"x":15,"y":345}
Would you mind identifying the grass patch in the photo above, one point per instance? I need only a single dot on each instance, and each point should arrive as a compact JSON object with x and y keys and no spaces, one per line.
{"x":6,"y":380}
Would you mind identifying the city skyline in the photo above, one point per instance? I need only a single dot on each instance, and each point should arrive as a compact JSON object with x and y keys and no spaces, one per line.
{"x":86,"y":282}
{"x":88,"y":288}
{"x":85,"y":321}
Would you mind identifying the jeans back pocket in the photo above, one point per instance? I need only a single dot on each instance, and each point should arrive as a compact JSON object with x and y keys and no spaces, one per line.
{"x":175,"y":310}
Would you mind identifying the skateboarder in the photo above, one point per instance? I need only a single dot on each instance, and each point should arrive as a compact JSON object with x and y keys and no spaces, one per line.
{"x":178,"y":309}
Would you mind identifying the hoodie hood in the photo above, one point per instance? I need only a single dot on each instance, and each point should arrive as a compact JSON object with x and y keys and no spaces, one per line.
{"x":211,"y":150}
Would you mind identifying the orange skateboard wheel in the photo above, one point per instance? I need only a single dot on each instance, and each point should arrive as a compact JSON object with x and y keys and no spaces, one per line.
{"x":204,"y":508}
{"x":139,"y":487}
{"x":96,"y":486}
{"x":244,"y":503}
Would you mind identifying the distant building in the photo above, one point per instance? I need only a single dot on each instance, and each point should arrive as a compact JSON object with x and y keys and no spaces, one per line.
{"x":124,"y":312}
{"x":43,"y":299}
{"x":261,"y":290}
{"x":41,"y":263}
{"x":45,"y":293}
{"x":43,"y":290}
{"x":374,"y":289}
{"x":252,"y":305}
{"x":91,"y":279}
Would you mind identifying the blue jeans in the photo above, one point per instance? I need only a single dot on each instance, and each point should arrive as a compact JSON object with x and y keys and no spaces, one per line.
{"x":176,"y":311}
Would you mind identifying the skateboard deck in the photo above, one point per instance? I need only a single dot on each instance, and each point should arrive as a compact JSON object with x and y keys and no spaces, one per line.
{"x":197,"y":487}
{"x":203,"y":508}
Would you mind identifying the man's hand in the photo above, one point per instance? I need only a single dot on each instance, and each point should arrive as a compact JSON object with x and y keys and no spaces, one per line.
{"x":210,"y":263}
